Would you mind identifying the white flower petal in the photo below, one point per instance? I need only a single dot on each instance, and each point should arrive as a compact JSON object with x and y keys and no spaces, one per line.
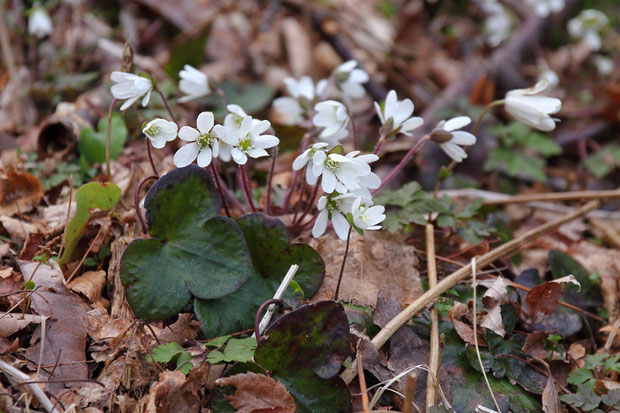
{"x":188,"y":134}
{"x":185,"y":155}
{"x":205,"y":122}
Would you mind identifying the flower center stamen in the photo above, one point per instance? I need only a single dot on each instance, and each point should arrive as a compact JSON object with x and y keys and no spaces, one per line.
{"x":205,"y":139}
{"x":331,"y":165}
{"x":152,"y":130}
{"x":245,"y":144}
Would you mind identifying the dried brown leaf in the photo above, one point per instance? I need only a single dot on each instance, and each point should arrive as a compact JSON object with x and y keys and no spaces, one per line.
{"x":459,"y":314}
{"x":65,"y":333}
{"x":544,"y":298}
{"x":535,"y":344}
{"x":550,"y":399}
{"x":258,"y":393}
{"x":12,"y":323}
{"x":170,"y":394}
{"x":19,"y":192}
{"x":493,"y":320}
{"x":91,"y":285}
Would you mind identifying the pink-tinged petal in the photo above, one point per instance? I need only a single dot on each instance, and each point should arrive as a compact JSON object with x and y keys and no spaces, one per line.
{"x":463,"y":138}
{"x":188,"y":134}
{"x":185,"y":155}
{"x":204,"y":157}
{"x":456,"y":123}
{"x":320,"y":224}
{"x":341,"y":225}
{"x":205,"y":122}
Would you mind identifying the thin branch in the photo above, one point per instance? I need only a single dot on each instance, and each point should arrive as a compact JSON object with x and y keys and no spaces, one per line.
{"x":433,"y":359}
{"x":433,"y":293}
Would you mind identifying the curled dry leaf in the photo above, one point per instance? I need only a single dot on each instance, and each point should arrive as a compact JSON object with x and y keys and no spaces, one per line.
{"x":535,"y":345}
{"x":12,"y":323}
{"x":550,"y":399}
{"x":91,"y":284}
{"x":493,"y":298}
{"x":19,"y":192}
{"x":544,"y":298}
{"x":460,"y":316}
{"x":171,"y":394}
{"x":258,"y":393}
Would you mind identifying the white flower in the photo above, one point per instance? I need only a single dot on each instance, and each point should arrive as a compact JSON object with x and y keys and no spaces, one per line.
{"x":248,"y":141}
{"x":194,"y":84}
{"x":604,"y":65}
{"x":367,"y":181}
{"x":395,"y":116}
{"x":304,"y":88}
{"x":551,"y":77}
{"x":498,"y":24}
{"x":306,"y":158}
{"x":289,"y":108}
{"x":451,"y":138}
{"x":366,"y":216}
{"x":232,"y":122}
{"x":332,"y":116}
{"x":588,"y":26}
{"x":131,"y":87}
{"x":159,"y":131}
{"x":204,"y":142}
{"x":334,"y":208}
{"x":39,"y":22}
{"x":525,"y":106}
{"x":341,"y":173}
{"x":349,"y":80}
{"x":545,"y":7}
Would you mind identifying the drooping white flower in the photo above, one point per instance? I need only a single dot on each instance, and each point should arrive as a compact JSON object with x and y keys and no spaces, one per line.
{"x":349,"y":80}
{"x":341,"y":173}
{"x":527,"y":106}
{"x":498,"y":23}
{"x":131,"y":87}
{"x":396,"y":115}
{"x":204,"y":142}
{"x":39,"y":22}
{"x":306,"y":158}
{"x":589,"y":25}
{"x":367,"y":216}
{"x":248,"y":141}
{"x":449,"y":138}
{"x":551,"y":77}
{"x":331,"y":115}
{"x":333,"y":207}
{"x":194,"y":84}
{"x":604,"y":65}
{"x":159,"y":131}
{"x":543,"y":8}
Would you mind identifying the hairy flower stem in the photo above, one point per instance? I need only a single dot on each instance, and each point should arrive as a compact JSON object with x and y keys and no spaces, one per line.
{"x":270,"y":180}
{"x":246,"y":187}
{"x":298,"y":203}
{"x":354,"y":130}
{"x":136,"y":201}
{"x":474,"y":131}
{"x":219,"y":187}
{"x":344,"y":260}
{"x":221,"y":94}
{"x":148,"y":151}
{"x":403,"y":161}
{"x":286,"y":199}
{"x":379,"y":143}
{"x":163,"y":98}
{"x":108,"y":136}
{"x":311,"y":201}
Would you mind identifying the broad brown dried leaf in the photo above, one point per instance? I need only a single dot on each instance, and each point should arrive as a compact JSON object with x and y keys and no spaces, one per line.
{"x":544,"y":298}
{"x":258,"y":393}
{"x":534,"y":344}
{"x":170,"y":394}
{"x":19,"y":192}
{"x":91,"y":284}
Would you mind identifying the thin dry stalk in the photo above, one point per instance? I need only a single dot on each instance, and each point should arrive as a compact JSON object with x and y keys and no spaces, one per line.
{"x":433,"y":359}
{"x":24,"y":378}
{"x":475,"y":321}
{"x":556,"y":196}
{"x":401,"y":319}
{"x":362,"y":380}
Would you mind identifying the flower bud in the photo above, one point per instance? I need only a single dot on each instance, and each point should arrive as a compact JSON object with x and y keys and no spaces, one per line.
{"x":441,"y":136}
